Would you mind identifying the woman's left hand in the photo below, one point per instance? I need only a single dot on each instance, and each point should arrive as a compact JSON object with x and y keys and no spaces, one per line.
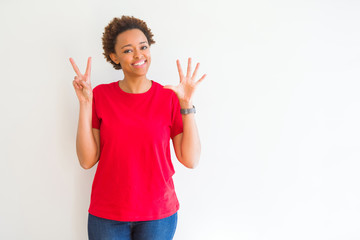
{"x":185,"y":90}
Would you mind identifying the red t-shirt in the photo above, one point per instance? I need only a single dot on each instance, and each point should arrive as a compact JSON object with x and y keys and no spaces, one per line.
{"x":133,"y":180}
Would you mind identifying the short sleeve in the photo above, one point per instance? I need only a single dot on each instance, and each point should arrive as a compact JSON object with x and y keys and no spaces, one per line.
{"x":95,"y":118}
{"x":176,"y":118}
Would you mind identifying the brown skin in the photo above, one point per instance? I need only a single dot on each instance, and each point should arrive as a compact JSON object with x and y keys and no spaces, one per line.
{"x":117,"y":26}
{"x":187,"y":144}
{"x":87,"y":138}
{"x":132,"y":47}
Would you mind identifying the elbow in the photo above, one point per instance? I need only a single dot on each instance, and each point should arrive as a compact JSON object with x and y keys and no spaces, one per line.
{"x":191,"y":163}
{"x":88,"y":164}
{"x":192,"y":166}
{"x":86,"y":167}
{"x":88,"y":161}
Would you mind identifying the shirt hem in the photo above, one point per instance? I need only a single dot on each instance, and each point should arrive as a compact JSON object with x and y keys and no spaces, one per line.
{"x":142,"y":218}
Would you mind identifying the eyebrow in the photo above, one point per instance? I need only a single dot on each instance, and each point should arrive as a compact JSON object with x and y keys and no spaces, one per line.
{"x":130,"y":44}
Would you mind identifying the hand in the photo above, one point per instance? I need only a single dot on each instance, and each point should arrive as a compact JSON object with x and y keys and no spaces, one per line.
{"x":82,"y":84}
{"x":185,"y":90}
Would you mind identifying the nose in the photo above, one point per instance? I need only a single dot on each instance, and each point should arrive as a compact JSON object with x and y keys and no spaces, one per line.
{"x":137,"y":54}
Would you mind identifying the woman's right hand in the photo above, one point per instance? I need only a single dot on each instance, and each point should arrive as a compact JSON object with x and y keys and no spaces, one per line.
{"x":81,"y":83}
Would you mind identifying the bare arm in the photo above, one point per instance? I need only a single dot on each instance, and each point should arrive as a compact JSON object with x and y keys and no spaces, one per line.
{"x":87,"y":138}
{"x":187,"y":144}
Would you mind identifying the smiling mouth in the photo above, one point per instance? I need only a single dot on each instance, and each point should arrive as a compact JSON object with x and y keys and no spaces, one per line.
{"x":140,"y":63}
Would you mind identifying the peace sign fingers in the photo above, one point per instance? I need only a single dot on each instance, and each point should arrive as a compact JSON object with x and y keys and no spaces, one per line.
{"x":88,"y":67}
{"x":75,"y":67}
{"x":82,"y":82}
{"x":77,"y":71}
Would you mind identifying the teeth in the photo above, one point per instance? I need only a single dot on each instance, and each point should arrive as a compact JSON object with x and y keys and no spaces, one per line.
{"x":140,"y":63}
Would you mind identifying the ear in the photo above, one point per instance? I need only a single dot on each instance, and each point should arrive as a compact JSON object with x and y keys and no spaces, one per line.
{"x":114,"y":58}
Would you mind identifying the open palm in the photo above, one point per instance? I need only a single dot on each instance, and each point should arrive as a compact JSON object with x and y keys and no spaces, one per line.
{"x":186,"y":88}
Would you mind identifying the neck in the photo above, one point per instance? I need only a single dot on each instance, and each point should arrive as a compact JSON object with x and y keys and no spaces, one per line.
{"x":135,"y":84}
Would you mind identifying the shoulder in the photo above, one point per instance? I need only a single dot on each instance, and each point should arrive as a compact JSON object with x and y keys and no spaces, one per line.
{"x":167,"y":96}
{"x":104,"y":87}
{"x":168,"y":93}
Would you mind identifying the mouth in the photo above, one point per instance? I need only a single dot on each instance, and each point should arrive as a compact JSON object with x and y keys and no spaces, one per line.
{"x":140,"y":63}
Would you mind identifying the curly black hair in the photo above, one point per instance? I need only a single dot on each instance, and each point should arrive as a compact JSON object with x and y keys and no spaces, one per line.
{"x":117,"y":26}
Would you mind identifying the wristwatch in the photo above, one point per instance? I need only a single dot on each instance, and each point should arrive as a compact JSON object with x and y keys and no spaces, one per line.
{"x":188,"y":110}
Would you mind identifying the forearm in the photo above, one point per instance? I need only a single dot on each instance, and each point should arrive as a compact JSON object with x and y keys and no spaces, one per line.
{"x":85,"y":142}
{"x":190,"y":145}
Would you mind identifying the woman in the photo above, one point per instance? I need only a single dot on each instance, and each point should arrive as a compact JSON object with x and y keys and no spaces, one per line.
{"x":127,"y":125}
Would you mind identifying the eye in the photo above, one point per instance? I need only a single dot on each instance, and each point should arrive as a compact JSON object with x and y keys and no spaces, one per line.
{"x":127,"y":51}
{"x":144,"y":47}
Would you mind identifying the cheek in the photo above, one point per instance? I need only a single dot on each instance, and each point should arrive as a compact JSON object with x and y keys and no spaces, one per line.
{"x":147,"y":54}
{"x":125,"y":60}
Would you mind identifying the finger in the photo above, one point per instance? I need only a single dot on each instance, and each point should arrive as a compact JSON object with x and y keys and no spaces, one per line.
{"x":83,"y":83}
{"x":76,"y":85}
{"x":200,"y":80}
{"x":76,"y":69}
{"x":195,"y":72}
{"x":188,"y":68}
{"x":80,"y":83}
{"x":88,"y":67}
{"x":180,"y":70}
{"x":77,"y":79}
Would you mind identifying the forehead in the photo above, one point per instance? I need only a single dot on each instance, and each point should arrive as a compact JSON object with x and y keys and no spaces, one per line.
{"x":132,"y":36}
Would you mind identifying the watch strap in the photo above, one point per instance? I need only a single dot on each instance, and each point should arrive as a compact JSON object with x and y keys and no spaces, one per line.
{"x":188,"y":110}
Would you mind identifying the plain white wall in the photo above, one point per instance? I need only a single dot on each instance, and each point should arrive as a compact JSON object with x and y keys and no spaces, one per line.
{"x":278,"y":114}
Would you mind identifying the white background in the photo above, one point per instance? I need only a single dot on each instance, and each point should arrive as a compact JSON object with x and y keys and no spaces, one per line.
{"x":278,"y":114}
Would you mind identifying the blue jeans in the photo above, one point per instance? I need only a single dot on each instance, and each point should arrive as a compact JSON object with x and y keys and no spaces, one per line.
{"x":106,"y":229}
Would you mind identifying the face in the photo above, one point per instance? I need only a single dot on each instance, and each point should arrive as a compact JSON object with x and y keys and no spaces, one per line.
{"x":132,"y":52}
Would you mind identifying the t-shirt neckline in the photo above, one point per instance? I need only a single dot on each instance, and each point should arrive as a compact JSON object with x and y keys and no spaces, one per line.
{"x":134,"y":94}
